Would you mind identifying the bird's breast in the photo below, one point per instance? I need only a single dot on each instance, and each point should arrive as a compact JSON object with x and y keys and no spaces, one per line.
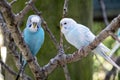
{"x":73,"y":39}
{"x":34,"y":41}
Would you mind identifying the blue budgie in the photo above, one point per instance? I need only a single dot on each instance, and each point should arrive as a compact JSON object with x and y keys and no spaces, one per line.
{"x":80,"y":36}
{"x":116,"y":45}
{"x":33,"y":36}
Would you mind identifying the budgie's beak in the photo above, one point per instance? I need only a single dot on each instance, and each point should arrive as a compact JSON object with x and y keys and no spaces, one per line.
{"x":34,"y":24}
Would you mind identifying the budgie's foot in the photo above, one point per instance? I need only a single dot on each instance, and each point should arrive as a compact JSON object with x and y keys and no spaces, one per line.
{"x":82,"y":51}
{"x":35,"y":59}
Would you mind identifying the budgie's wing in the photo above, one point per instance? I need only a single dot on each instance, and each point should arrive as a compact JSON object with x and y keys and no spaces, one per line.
{"x":80,"y":36}
{"x":86,"y":34}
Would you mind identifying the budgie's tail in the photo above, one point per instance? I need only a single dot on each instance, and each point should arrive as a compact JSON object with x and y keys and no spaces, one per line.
{"x":117,"y":45}
{"x":102,"y":50}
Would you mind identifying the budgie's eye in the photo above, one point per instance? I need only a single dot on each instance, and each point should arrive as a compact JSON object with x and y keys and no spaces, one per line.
{"x":29,"y":25}
{"x":37,"y":26}
{"x":65,"y":23}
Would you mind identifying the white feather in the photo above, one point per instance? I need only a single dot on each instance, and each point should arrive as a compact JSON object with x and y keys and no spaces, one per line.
{"x":35,"y":19}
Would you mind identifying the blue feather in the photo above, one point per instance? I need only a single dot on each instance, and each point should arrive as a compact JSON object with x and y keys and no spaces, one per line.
{"x":34,"y":40}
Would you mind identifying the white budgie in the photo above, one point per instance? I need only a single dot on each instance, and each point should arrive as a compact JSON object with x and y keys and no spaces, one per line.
{"x":80,"y":36}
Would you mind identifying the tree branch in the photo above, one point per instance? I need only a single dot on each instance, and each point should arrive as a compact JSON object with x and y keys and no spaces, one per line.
{"x":25,"y":77}
{"x":8,"y":68}
{"x":11,"y":46}
{"x":104,"y":12}
{"x":115,"y":37}
{"x":8,"y":39}
{"x":113,"y":70}
{"x":61,"y":49}
{"x":12,"y":2}
{"x":65,"y":8}
{"x":22,"y":13}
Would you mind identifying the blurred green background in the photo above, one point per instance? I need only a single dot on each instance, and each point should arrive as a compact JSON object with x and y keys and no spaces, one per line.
{"x":89,"y":68}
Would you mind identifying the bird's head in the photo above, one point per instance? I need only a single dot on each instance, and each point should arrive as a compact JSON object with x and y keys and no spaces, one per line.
{"x":66,"y":25}
{"x":33,"y":23}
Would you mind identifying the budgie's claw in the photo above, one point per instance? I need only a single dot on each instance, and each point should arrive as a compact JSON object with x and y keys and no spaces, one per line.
{"x":82,"y":51}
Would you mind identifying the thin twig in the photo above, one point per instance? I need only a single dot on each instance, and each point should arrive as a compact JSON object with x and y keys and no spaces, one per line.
{"x":66,"y":71}
{"x":7,"y":68}
{"x":115,"y":37}
{"x":65,"y":8}
{"x":104,"y":12}
{"x":12,"y":2}
{"x":23,"y":12}
{"x":113,"y":70}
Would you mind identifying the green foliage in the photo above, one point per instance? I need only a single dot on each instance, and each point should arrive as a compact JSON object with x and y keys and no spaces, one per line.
{"x":97,"y":27}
